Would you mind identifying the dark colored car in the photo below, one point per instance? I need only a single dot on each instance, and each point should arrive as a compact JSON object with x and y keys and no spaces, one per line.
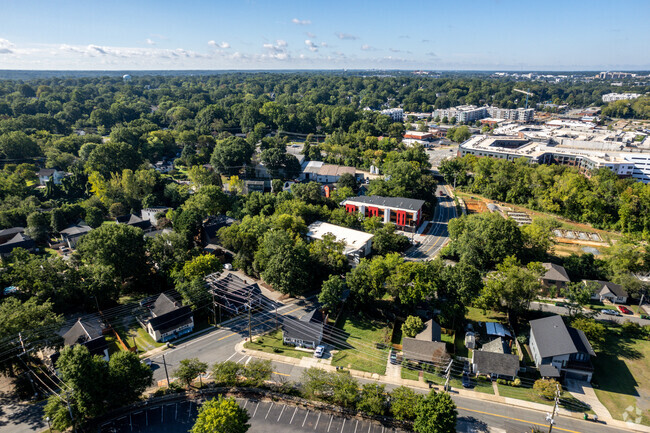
{"x":467,"y":383}
{"x":393,"y":357}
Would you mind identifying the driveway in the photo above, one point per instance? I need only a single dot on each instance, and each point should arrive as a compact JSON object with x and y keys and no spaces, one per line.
{"x":585,"y":393}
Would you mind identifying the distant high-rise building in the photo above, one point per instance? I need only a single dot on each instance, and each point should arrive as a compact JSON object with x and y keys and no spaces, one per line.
{"x":611,"y":97}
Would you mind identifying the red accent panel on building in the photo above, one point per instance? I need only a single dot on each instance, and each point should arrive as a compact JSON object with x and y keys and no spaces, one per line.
{"x":350,"y":208}
{"x":401,"y":217}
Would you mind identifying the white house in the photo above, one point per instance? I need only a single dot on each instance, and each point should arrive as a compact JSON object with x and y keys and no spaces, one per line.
{"x":45,"y":174}
{"x":606,"y":290}
{"x":357,"y":243}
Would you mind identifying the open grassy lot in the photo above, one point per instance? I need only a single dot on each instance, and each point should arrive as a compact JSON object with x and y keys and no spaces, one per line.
{"x":622,"y":376}
{"x":369,"y":340}
{"x":272,"y":343}
{"x":477,"y":315}
{"x":143,"y":340}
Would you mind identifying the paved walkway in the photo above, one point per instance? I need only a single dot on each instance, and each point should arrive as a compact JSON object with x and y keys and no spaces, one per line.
{"x":495,"y":387}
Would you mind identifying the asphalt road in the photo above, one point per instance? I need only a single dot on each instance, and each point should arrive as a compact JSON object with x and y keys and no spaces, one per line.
{"x":437,"y":234}
{"x":551,"y":308}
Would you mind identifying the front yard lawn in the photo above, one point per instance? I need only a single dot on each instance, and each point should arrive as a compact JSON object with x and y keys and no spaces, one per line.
{"x":477,"y":315}
{"x":273,"y":343}
{"x":143,"y":340}
{"x":369,"y":340}
{"x":622,"y":376}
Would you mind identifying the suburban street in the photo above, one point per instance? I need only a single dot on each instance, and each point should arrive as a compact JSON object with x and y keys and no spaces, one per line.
{"x":551,"y":308}
{"x":437,"y":235}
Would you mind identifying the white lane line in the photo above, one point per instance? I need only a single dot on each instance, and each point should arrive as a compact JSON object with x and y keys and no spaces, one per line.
{"x":281,"y":412}
{"x":269,"y":411}
{"x":245,"y":404}
{"x":242,"y":358}
{"x":248,"y":360}
{"x":294,"y":414}
{"x":330,"y":424}
{"x":343,"y":425}
{"x":258,"y":405}
{"x":317,"y":420}
{"x":305,"y":420}
{"x":369,"y":425}
{"x":355,"y":426}
{"x":231,"y":356}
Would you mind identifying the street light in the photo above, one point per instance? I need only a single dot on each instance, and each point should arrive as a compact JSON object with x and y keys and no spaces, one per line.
{"x":49,"y":428}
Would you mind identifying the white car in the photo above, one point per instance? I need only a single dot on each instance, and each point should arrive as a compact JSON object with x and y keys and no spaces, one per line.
{"x":320,"y":350}
{"x":611,"y":312}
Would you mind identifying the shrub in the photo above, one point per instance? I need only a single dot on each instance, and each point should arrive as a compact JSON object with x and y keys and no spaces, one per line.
{"x":546,"y":388}
{"x":522,"y":339}
{"x":632,"y":329}
{"x":412,"y":326}
{"x":502,"y":381}
{"x":516,"y":382}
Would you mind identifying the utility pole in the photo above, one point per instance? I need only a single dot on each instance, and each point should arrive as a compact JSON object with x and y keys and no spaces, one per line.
{"x":29,"y":376}
{"x":250,"y":332}
{"x":214,"y":308}
{"x":551,"y":417}
{"x":166,"y":374}
{"x":641,"y":302}
{"x":448,"y":375}
{"x":277,"y":319}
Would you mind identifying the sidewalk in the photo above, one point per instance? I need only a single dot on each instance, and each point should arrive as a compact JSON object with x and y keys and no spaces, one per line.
{"x":398,"y":381}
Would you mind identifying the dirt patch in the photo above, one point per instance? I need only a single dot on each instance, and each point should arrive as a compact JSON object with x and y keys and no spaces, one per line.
{"x":475,"y":206}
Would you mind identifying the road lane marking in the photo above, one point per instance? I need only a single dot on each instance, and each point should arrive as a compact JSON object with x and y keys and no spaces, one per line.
{"x":241,"y":359}
{"x":230,"y":357}
{"x":343,"y":425}
{"x":281,"y":374}
{"x":269,"y":411}
{"x":281,"y":412}
{"x":317,"y":420}
{"x":305,"y":420}
{"x":248,"y":360}
{"x":261,"y":323}
{"x":294,"y":414}
{"x":258,"y":405}
{"x":517,"y":419}
{"x":330,"y":424}
{"x":355,"y":426}
{"x":245,"y":404}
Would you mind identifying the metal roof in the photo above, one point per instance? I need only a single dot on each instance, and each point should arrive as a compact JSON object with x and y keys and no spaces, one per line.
{"x":392,"y":202}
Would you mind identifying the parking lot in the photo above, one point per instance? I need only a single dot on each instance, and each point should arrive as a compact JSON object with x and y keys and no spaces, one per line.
{"x":266,"y":416}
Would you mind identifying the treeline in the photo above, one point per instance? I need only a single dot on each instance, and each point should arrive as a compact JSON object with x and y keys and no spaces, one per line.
{"x":629,"y":109}
{"x":602,"y":200}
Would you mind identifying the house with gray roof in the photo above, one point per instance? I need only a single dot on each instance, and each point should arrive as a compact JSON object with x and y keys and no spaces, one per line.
{"x":494,"y":360}
{"x":45,"y":174}
{"x":426,"y":347}
{"x":169,"y":319}
{"x":304,"y":332}
{"x":606,"y":290}
{"x":87,"y":332}
{"x":18,"y":240}
{"x":555,"y":275}
{"x":405,"y":213}
{"x":559,"y":350}
{"x":73,"y":233}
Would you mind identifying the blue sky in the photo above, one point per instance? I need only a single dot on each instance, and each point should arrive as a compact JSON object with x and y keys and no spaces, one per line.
{"x":202,"y":34}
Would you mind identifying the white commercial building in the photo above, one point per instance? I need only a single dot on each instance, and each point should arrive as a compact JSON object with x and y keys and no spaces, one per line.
{"x":357,"y":243}
{"x":397,"y":114}
{"x":612,"y":97}
{"x":472,"y":113}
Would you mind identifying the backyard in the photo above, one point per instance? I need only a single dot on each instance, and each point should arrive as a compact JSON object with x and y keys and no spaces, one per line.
{"x":366,"y":346}
{"x":622,"y":376}
{"x":273,"y":343}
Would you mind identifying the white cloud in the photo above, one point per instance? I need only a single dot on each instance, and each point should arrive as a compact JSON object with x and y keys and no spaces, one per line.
{"x":281,"y":43}
{"x":222,"y":45}
{"x":6,"y":47}
{"x":310,"y":35}
{"x":150,"y":42}
{"x":323,"y":44}
{"x":277,"y":51}
{"x":366,"y":47}
{"x":301,"y":22}
{"x":312,"y":46}
{"x":346,"y":36}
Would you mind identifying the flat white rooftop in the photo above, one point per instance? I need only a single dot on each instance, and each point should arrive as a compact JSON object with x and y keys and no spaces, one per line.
{"x":354,"y":239}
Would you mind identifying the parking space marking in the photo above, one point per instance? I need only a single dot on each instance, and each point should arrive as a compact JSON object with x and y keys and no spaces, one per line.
{"x":231,"y":356}
{"x":317,"y":421}
{"x":330,"y":424}
{"x":281,"y":412}
{"x":305,"y":420}
{"x":248,"y":360}
{"x":343,"y":425}
{"x":245,"y":404}
{"x":294,"y":414}
{"x":355,"y":426}
{"x":242,"y":358}
{"x":258,"y":405}
{"x":269,"y":411}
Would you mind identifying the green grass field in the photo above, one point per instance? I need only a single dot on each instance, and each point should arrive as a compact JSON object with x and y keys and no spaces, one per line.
{"x":477,"y":315}
{"x":370,"y":340}
{"x":143,"y":340}
{"x":622,"y":376}
{"x":272,"y":343}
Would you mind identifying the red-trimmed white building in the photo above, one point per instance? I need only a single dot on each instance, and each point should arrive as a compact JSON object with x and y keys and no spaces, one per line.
{"x":405,"y":213}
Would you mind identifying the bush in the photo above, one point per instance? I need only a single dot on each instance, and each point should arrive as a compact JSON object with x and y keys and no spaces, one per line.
{"x":546,"y":388}
{"x":522,"y":339}
{"x":412,"y":326}
{"x":632,"y":329}
{"x":516,"y":382}
{"x":502,"y":381}
{"x":277,"y":350}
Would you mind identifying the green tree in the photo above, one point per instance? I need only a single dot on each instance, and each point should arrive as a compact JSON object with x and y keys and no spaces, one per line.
{"x":57,"y":220}
{"x":113,"y":157}
{"x":578,"y":295}
{"x":226,"y":373}
{"x":412,"y":326}
{"x":403,"y":403}
{"x":258,"y":371}
{"x":345,"y":390}
{"x":118,"y":246}
{"x":594,"y":331}
{"x":348,"y":180}
{"x":129,"y":378}
{"x":327,"y":253}
{"x":316,"y":382}
{"x":331,"y":292}
{"x":283,"y":262}
{"x":200,"y":266}
{"x":221,"y":415}
{"x":38,"y":226}
{"x":436,"y":413}
{"x":387,"y":240}
{"x":18,"y":145}
{"x":230,"y":155}
{"x":189,"y":369}
{"x":373,"y":399}
{"x":512,"y":287}
{"x":31,"y":317}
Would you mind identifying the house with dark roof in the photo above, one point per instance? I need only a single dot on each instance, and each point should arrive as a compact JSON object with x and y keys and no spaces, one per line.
{"x":559,"y":350}
{"x":211,"y":225}
{"x":606,"y":290}
{"x":73,"y":233}
{"x":233,"y":293}
{"x":555,"y":275}
{"x":18,"y":240}
{"x":87,"y":332}
{"x":427,"y":346}
{"x":151,"y":213}
{"x":405,"y":213}
{"x":134,"y":221}
{"x":494,"y":359}
{"x":304,"y":332}
{"x":9,"y":233}
{"x":169,"y":319}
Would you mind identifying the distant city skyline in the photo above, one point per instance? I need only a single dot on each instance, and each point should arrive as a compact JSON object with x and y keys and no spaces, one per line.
{"x":201,"y":34}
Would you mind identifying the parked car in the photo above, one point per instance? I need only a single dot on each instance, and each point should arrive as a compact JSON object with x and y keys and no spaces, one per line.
{"x":393,"y":357}
{"x":320,"y":350}
{"x":611,"y":312}
{"x":467,"y":383}
{"x":623,"y":309}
